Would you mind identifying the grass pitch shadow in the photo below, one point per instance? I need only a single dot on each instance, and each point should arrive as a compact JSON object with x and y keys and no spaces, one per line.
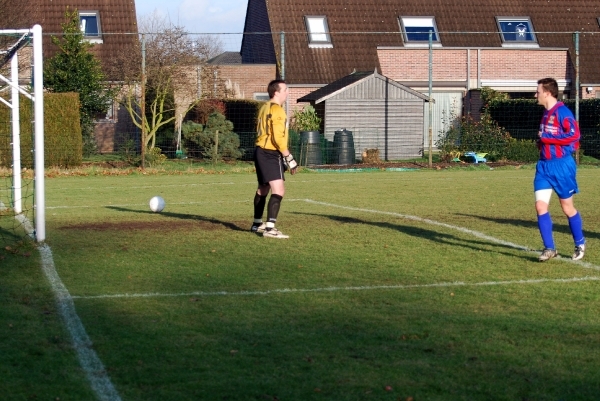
{"x":558,"y":228}
{"x":431,"y":235}
{"x":183,"y":216}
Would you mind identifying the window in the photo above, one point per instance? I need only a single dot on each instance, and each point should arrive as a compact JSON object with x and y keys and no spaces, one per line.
{"x":109,"y":115}
{"x":89,"y":22}
{"x":318,"y":31}
{"x":516,"y":30}
{"x":263,"y":97}
{"x":416,"y":29}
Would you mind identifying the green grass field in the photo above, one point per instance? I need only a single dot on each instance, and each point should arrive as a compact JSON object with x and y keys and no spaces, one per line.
{"x":393,"y":285}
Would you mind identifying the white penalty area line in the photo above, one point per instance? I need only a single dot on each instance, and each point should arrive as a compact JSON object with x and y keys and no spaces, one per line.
{"x":335,"y":289}
{"x":474,"y":233}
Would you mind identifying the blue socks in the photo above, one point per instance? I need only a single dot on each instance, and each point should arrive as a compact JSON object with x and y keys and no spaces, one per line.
{"x":545,"y":226}
{"x":576,"y":226}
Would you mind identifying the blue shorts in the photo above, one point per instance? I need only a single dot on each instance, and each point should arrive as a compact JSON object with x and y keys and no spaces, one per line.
{"x":557,"y":174}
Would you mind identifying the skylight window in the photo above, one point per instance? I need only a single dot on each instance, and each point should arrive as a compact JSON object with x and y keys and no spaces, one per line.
{"x":516,"y":30}
{"x":416,"y":29}
{"x":89,"y":23}
{"x":318,"y":31}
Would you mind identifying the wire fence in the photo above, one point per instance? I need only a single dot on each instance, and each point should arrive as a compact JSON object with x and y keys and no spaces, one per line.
{"x":379,"y":98}
{"x":372,"y":92}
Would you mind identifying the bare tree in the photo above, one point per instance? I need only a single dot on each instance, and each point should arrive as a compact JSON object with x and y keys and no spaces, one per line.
{"x":171,"y":60}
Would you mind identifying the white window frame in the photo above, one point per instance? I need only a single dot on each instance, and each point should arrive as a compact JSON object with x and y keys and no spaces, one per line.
{"x":425,"y":22}
{"x":318,"y":36}
{"x":261,"y":96}
{"x":517,"y":43}
{"x":90,"y":38}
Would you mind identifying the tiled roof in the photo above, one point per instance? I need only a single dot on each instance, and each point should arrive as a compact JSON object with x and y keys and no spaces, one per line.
{"x":257,"y":46}
{"x":117,"y":22}
{"x":353,"y":49}
{"x":229,"y":58}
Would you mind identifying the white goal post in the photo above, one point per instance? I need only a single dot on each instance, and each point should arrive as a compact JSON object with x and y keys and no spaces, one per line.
{"x":37,"y":97}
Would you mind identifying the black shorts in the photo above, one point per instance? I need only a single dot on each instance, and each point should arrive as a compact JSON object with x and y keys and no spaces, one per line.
{"x":269,"y":165}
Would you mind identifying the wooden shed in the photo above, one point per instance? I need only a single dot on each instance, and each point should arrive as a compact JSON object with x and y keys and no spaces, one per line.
{"x":380,"y":112}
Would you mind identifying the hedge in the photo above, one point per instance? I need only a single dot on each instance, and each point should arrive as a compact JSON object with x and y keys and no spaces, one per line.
{"x":62,"y":131}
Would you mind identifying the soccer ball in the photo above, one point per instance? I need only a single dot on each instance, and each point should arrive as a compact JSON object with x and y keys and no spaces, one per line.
{"x":157,"y":204}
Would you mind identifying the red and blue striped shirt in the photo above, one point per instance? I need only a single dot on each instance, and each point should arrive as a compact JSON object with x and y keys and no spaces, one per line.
{"x":559,"y":133}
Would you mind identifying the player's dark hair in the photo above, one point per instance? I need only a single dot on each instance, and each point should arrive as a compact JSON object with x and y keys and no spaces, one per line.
{"x":550,"y":85}
{"x":274,"y":87}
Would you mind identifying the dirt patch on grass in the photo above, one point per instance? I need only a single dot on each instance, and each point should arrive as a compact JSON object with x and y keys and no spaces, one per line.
{"x":163,"y":225}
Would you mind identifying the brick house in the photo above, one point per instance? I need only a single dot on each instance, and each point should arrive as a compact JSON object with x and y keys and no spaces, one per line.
{"x":108,"y":24}
{"x":244,"y":81}
{"x":504,"y":45}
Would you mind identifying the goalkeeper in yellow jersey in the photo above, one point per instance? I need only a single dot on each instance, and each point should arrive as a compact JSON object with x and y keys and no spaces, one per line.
{"x":271,"y":158}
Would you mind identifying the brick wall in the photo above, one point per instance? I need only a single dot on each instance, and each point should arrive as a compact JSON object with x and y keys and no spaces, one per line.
{"x":413,"y":64}
{"x":452,"y":64}
{"x":294,"y":94}
{"x":246,"y":79}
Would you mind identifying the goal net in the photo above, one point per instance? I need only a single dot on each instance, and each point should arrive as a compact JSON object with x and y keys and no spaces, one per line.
{"x":22,"y":202}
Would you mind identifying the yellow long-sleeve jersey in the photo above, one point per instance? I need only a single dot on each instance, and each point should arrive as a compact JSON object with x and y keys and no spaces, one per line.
{"x":271,"y":128}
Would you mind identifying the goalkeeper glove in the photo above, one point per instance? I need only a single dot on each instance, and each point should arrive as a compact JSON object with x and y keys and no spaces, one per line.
{"x":290,"y":162}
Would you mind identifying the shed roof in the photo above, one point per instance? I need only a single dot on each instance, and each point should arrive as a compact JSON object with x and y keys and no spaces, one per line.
{"x":353,"y":49}
{"x":342,"y":84}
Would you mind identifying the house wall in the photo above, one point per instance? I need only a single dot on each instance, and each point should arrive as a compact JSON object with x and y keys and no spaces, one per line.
{"x":413,"y":64}
{"x":295,"y":93}
{"x":239,"y":81}
{"x":111,"y":134}
{"x":500,"y":68}
{"x":247,"y":79}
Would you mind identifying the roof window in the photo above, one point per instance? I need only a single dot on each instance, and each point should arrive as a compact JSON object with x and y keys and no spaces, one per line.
{"x":516,"y":30}
{"x":318,"y":32}
{"x":416,"y":29}
{"x":89,"y":23}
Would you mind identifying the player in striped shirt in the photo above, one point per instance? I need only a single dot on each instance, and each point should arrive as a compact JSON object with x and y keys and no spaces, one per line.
{"x":556,"y":170}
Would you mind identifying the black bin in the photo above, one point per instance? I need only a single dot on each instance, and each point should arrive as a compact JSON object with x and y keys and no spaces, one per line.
{"x":310,"y":148}
{"x":343,"y":143}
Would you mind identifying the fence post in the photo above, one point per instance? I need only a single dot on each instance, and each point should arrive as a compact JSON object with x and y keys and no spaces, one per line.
{"x":282,"y":41}
{"x":430,"y":102}
{"x":143,"y":101}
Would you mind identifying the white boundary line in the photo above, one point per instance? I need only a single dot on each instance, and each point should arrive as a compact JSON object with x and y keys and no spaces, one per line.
{"x":88,"y":359}
{"x":332,"y":289}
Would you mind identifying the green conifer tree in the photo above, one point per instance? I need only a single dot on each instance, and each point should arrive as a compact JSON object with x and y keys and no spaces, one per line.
{"x":75,"y":69}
